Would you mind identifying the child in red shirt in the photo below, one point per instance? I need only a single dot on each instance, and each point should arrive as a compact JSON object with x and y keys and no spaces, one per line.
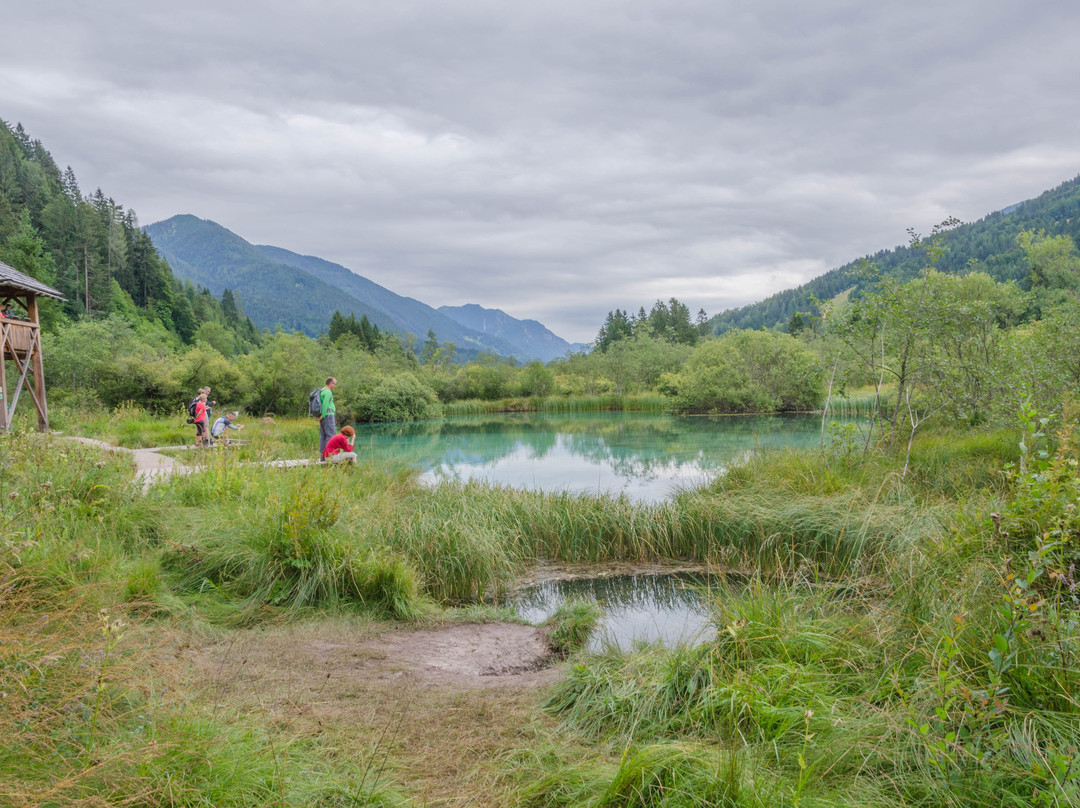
{"x":338,"y":449}
{"x":202,"y":434}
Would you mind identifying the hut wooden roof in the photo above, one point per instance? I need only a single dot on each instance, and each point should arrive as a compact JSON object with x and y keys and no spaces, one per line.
{"x":11,"y":278}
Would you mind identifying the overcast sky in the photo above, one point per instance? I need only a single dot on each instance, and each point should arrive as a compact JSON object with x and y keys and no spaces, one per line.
{"x":556,"y":159}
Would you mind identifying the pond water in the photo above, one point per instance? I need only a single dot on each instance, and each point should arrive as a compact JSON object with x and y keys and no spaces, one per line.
{"x":669,"y":608}
{"x":647,"y":457}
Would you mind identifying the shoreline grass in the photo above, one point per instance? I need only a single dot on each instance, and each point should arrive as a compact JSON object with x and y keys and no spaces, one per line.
{"x":803,"y":697}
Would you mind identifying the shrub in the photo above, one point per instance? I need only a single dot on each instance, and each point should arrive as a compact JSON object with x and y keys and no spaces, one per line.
{"x":749,"y":371}
{"x":399,"y":398}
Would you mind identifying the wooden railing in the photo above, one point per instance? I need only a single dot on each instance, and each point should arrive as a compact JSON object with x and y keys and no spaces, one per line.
{"x":17,"y":337}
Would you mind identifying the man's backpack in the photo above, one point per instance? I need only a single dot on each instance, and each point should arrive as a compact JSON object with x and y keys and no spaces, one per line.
{"x":191,"y":407}
{"x":314,"y":403}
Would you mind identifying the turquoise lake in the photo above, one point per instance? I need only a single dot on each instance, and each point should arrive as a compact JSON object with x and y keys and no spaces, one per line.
{"x":646,"y":457}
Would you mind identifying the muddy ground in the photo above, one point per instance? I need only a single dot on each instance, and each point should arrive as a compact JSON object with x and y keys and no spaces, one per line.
{"x":435,"y":710}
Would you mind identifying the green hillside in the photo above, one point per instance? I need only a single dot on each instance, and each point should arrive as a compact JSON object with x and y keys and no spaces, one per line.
{"x":409,"y":315}
{"x":93,"y":251}
{"x":272,"y":293}
{"x":989,"y":242}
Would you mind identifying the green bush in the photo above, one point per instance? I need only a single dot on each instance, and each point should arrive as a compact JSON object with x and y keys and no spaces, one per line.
{"x":749,"y":371}
{"x":398,"y":398}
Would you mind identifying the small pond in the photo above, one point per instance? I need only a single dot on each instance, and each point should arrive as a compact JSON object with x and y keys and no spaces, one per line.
{"x":669,"y":607}
{"x":646,"y":457}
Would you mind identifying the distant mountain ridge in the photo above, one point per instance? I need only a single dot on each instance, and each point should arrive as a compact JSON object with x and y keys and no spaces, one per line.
{"x":277,"y":287}
{"x":530,"y":335}
{"x":989,"y":242}
{"x":410,"y":315}
{"x":270,"y":293}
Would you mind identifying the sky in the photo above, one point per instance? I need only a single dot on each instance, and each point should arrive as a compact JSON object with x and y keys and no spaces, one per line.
{"x":556,"y":160}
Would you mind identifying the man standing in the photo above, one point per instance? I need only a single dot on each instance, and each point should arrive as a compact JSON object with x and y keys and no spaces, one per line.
{"x":327,"y":420}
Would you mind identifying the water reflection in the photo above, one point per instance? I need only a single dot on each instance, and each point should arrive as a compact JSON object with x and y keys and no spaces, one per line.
{"x":644,"y":456}
{"x":669,"y":608}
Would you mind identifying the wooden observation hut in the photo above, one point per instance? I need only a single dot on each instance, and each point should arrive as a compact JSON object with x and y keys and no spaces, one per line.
{"x":20,"y":343}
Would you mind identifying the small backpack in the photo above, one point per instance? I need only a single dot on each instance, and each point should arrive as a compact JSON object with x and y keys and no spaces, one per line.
{"x":314,"y":403}
{"x":191,"y":407}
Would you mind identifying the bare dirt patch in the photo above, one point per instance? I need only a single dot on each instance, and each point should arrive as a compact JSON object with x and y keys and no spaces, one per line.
{"x":473,"y":655}
{"x":442,"y":705}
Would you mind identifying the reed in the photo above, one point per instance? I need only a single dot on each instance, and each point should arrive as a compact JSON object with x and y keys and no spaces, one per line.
{"x":563,"y":405}
{"x":571,"y":626}
{"x":858,"y":405}
{"x":290,"y":552}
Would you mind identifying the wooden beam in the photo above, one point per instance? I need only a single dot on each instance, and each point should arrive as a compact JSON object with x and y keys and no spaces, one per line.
{"x":38,"y":387}
{"x":4,"y":421}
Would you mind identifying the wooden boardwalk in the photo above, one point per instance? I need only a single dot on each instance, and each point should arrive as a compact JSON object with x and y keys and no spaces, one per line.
{"x":151,"y":466}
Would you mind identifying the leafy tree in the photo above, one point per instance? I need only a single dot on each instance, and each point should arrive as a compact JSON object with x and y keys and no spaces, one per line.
{"x":748,"y":371}
{"x":537,"y":380}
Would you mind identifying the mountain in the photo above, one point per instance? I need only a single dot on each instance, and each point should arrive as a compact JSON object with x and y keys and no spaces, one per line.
{"x":989,"y":245}
{"x":277,"y":287}
{"x":529,"y":337}
{"x":269,"y":292}
{"x":410,"y":315}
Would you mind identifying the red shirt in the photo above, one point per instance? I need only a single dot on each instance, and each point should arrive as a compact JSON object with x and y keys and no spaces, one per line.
{"x":200,"y":411}
{"x":337,"y":444}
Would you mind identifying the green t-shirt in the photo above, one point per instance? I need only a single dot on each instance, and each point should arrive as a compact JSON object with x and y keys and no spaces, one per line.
{"x":326,"y":401}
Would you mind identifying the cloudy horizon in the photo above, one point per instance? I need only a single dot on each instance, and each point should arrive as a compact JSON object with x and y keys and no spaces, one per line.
{"x":562,"y":160}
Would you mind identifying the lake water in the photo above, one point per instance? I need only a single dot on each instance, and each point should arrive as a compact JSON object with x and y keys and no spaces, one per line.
{"x":646,"y":457}
{"x":670,"y":608}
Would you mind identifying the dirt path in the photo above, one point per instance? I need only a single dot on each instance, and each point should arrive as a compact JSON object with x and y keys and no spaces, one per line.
{"x":439,"y":707}
{"x":149,"y":465}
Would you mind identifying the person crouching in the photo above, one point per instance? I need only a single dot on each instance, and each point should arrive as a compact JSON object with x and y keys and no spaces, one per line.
{"x":339,"y":449}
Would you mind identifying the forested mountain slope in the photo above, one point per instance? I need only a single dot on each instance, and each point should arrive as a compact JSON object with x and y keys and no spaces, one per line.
{"x":989,"y":242}
{"x":278,"y":287}
{"x":409,"y":314}
{"x":90,"y":248}
{"x":271,"y":293}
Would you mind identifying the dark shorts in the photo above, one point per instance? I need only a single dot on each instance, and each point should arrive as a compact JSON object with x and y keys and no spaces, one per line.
{"x":200,"y":429}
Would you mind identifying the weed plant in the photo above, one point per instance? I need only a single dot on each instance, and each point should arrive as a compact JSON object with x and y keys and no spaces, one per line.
{"x":571,"y":626}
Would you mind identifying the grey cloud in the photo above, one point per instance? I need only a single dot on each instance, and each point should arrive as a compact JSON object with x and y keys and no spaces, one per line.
{"x":560,"y":159}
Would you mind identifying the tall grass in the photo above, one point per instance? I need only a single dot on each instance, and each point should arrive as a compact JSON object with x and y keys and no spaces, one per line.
{"x":858,"y":405}
{"x":878,"y":607}
{"x":83,"y":716}
{"x":611,"y":402}
{"x":825,"y":700}
{"x":289,"y":550}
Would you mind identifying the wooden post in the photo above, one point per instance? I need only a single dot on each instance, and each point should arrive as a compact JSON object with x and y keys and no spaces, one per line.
{"x":38,"y":367}
{"x":3,"y":376}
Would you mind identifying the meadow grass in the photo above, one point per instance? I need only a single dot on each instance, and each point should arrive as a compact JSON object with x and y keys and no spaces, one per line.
{"x":882,"y":653}
{"x":84,"y":717}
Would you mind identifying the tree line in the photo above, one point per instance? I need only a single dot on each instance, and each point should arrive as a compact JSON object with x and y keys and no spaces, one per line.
{"x":92,"y":250}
